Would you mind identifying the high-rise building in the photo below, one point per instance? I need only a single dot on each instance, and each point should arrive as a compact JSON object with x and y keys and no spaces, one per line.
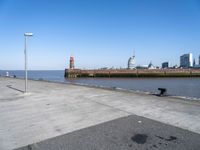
{"x":194,"y":63}
{"x":186,"y":60}
{"x":165,"y":65}
{"x":131,"y":62}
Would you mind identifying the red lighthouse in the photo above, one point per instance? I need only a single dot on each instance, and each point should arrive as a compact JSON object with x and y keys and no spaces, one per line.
{"x":71,"y":63}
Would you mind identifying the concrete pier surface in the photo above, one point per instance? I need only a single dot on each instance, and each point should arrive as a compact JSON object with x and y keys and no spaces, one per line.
{"x":65,"y":116}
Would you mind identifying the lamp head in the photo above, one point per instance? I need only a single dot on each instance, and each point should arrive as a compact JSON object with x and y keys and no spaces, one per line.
{"x":28,"y":34}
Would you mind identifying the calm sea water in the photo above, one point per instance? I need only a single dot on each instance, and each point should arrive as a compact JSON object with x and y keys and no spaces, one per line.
{"x":186,"y":87}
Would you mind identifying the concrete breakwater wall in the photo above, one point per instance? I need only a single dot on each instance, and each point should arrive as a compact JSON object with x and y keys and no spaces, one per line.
{"x":74,"y":73}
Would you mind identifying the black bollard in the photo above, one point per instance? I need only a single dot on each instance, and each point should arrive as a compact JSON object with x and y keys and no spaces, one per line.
{"x":163,"y":91}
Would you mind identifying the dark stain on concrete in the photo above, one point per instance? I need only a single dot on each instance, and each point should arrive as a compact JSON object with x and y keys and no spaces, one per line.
{"x":160,"y":137}
{"x":155,"y":146}
{"x":58,"y":130}
{"x":29,"y":147}
{"x":171,"y":138}
{"x":139,"y":138}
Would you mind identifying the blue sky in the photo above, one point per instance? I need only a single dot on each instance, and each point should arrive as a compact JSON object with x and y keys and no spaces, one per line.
{"x":98,"y":33}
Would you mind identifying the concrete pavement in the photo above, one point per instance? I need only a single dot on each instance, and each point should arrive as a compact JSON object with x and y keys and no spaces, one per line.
{"x":127,"y":133}
{"x":53,"y":109}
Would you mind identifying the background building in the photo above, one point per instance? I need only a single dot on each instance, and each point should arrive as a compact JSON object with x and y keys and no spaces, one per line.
{"x":142,"y":67}
{"x":199,"y":59}
{"x":151,"y":66}
{"x":186,"y":60}
{"x":165,"y":65}
{"x":131,"y":62}
{"x":197,"y":66}
{"x":194,"y":62}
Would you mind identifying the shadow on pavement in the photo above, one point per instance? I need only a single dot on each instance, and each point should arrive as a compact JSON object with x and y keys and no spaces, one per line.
{"x":10,"y":86}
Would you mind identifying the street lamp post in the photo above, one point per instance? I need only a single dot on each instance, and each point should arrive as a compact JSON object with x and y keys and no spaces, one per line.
{"x":27,"y":34}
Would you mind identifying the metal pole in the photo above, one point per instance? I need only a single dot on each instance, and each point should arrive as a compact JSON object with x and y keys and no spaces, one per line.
{"x":25,"y":53}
